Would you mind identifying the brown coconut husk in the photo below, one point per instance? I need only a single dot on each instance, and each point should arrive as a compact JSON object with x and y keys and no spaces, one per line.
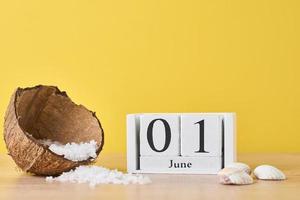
{"x":45,"y":112}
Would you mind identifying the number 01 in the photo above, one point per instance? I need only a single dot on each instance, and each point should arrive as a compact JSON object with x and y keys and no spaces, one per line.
{"x":168,"y":136}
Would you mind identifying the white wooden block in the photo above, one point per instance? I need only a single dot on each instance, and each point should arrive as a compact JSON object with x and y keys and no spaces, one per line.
{"x":203,"y":164}
{"x":229,"y":122}
{"x":133,"y":162}
{"x":201,"y":135}
{"x":180,"y":164}
{"x":159,"y":134}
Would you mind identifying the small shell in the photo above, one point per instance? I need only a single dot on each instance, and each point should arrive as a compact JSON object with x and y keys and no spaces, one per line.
{"x":241,"y":166}
{"x":234,"y":176}
{"x":268,"y":172}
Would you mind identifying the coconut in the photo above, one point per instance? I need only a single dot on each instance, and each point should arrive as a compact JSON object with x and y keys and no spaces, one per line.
{"x":46,"y":113}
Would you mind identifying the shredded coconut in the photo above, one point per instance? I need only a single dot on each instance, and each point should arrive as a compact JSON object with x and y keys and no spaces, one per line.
{"x":73,"y":151}
{"x":94,"y":175}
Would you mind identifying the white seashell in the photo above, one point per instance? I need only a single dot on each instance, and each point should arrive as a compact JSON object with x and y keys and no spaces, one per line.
{"x":234,"y":176}
{"x":241,"y":166}
{"x":268,"y":172}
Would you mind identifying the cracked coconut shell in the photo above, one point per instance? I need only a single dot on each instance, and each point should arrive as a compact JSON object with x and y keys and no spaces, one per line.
{"x":45,"y":112}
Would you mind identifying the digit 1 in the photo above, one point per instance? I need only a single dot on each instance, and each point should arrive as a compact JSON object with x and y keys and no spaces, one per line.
{"x":150,"y":135}
{"x":201,"y":137}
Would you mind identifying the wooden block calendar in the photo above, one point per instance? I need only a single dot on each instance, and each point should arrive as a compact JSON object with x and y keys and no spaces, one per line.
{"x":192,"y":143}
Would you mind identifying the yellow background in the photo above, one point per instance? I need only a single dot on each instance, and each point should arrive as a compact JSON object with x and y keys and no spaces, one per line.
{"x":119,"y":57}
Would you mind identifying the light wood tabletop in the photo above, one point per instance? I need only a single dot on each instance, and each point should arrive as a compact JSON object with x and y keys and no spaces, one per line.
{"x":15,"y":184}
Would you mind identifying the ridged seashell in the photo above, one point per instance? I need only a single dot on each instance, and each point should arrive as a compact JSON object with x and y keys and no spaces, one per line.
{"x":234,"y":176}
{"x":241,"y":166}
{"x":268,"y":172}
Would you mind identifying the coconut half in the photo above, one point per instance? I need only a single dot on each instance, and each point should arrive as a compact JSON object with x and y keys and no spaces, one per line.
{"x":45,"y":112}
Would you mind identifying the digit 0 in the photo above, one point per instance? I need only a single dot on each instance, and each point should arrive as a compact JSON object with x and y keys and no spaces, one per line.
{"x":150,"y":135}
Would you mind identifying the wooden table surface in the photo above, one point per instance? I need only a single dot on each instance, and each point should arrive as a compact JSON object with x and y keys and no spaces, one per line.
{"x":15,"y":184}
